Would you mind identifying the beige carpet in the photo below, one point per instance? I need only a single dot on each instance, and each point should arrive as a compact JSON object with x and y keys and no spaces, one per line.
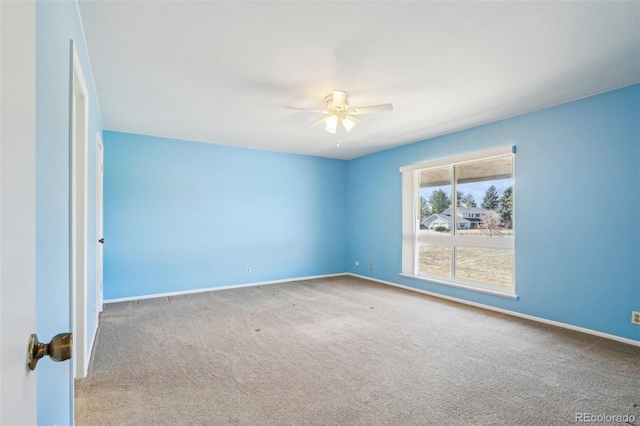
{"x":345,"y":351}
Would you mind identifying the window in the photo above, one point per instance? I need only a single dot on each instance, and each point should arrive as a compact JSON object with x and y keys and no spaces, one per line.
{"x":458,"y":221}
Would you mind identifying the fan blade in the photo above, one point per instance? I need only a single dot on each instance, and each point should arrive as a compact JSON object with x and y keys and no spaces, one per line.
{"x":339,"y":99}
{"x":316,"y":122}
{"x":321,"y":111}
{"x":369,"y":109}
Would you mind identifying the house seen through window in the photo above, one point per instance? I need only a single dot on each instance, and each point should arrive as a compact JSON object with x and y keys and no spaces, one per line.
{"x":458,"y":221}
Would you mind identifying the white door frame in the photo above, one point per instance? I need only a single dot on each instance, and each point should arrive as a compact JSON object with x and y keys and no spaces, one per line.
{"x":99,"y":225}
{"x":79,"y":130}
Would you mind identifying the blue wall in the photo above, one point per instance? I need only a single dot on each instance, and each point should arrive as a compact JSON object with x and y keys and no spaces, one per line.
{"x":577,"y":174}
{"x":56,"y":24}
{"x":183,"y":215}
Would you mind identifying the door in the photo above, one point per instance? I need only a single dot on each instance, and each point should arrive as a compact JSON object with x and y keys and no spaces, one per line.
{"x":17,"y":211}
{"x":31,"y":302}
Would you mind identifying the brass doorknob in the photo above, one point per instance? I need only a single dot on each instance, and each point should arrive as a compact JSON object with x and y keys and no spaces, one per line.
{"x":59,"y":349}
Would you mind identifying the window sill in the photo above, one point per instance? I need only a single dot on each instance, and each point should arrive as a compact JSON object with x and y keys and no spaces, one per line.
{"x":507,"y":295}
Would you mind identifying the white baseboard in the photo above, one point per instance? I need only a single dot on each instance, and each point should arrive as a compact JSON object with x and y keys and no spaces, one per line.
{"x":506,"y":311}
{"x":227,"y":287}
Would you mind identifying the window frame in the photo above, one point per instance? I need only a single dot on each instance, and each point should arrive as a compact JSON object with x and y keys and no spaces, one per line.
{"x":413,"y":236}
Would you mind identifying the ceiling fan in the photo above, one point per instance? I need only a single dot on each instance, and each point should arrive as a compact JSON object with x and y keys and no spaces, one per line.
{"x":339,"y":116}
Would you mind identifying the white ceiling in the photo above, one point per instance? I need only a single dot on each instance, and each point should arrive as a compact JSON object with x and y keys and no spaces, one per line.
{"x":223,"y":72}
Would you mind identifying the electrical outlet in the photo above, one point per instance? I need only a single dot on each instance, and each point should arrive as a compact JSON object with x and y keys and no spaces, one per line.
{"x":371,"y":266}
{"x":635,"y":317}
{"x":357,"y":263}
{"x":248,"y":270}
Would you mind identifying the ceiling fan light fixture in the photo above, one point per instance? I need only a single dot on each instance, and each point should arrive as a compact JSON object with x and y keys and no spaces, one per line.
{"x":348,"y":123}
{"x":331,"y":123}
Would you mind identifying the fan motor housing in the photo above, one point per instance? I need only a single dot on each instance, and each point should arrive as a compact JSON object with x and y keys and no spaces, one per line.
{"x":329,"y":101}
